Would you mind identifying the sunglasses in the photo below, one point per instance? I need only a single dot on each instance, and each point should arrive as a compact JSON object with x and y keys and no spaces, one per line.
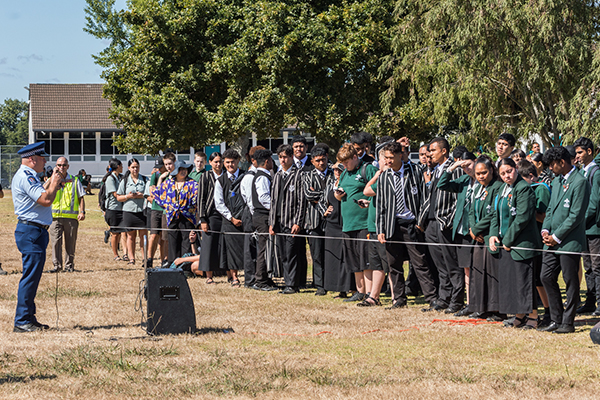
{"x":62,"y":165}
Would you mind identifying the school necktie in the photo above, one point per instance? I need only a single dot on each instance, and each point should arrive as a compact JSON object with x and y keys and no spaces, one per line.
{"x":399,"y":189}
{"x":468,"y":198}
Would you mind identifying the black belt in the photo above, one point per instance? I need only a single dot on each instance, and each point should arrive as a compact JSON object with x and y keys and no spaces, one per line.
{"x":45,"y":227}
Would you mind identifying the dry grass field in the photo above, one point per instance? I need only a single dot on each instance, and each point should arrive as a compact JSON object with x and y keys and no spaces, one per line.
{"x":264,"y":345}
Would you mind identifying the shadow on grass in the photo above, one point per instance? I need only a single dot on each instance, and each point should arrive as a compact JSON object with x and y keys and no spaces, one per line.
{"x":207,"y":330}
{"x":93,"y":328}
{"x":12,"y":378}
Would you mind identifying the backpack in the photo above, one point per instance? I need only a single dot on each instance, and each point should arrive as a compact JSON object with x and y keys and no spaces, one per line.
{"x":102,"y":195}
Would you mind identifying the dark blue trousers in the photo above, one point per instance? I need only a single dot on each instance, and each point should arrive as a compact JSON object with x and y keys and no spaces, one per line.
{"x":31,"y":242}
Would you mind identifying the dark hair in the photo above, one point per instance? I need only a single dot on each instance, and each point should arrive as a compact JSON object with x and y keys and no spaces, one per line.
{"x":126,"y":176}
{"x":319,"y":151}
{"x":507,"y":161}
{"x":393,"y":147}
{"x":584,"y":143}
{"x":509,"y":137}
{"x":285,"y":148}
{"x":201,"y":154}
{"x":298,"y":138}
{"x":231,"y":154}
{"x":358,"y":138}
{"x":324,"y":146}
{"x":519,"y":152}
{"x":556,"y":154}
{"x":488,"y":164}
{"x":443,"y":143}
{"x":526,"y":168}
{"x":81,"y":171}
{"x":262,"y":155}
{"x":385,"y":139}
{"x":113,"y":164}
{"x":170,"y":156}
{"x":537,"y":157}
{"x":459,"y":151}
{"x":467,"y":155}
{"x":214,"y":155}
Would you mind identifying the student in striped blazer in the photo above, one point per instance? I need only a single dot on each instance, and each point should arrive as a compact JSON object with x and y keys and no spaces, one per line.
{"x":313,"y":186}
{"x":398,"y":203}
{"x":435,"y":219}
{"x":288,"y":210}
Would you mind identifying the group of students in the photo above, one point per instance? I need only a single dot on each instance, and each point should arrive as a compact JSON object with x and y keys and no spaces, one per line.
{"x":483,"y":238}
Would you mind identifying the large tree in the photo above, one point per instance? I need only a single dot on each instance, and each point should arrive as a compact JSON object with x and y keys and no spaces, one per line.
{"x":190,"y":72}
{"x":13,"y":122}
{"x":485,"y":67}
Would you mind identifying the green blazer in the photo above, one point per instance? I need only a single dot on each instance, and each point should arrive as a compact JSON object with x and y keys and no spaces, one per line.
{"x":460,"y":186}
{"x":565,"y":217}
{"x":481,"y":214}
{"x":591,"y":214}
{"x":522,"y":228}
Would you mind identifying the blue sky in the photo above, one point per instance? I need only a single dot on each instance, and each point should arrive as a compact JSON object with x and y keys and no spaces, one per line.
{"x":43,"y":41}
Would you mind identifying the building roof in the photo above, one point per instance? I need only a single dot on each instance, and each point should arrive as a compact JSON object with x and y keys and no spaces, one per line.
{"x":69,"y":107}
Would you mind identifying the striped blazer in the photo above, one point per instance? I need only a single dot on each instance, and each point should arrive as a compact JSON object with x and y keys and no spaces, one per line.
{"x":288,"y":207}
{"x":206,"y":196}
{"x":316,"y":202}
{"x":414,"y":187}
{"x":445,"y":207}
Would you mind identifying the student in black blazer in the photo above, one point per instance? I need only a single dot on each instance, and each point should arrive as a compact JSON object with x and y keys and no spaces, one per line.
{"x":399,"y":201}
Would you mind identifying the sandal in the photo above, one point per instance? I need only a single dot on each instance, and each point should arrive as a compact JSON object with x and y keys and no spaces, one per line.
{"x":209,"y":281}
{"x":125,"y":257}
{"x":367,"y":303}
{"x":528,"y":326}
{"x":117,"y":258}
{"x":131,"y":262}
{"x":235,"y":283}
{"x":517,"y":323}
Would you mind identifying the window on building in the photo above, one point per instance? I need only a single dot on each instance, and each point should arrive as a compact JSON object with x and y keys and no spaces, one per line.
{"x":55,"y":143}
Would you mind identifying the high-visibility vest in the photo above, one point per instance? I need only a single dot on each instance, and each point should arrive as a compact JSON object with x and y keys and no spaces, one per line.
{"x":66,"y":202}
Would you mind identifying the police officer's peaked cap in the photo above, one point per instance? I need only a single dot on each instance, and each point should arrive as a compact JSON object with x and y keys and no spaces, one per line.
{"x":33,"y":149}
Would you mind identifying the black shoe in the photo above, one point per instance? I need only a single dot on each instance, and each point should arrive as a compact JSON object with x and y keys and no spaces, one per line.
{"x":546,"y":321}
{"x":106,"y":236}
{"x":42,"y":326}
{"x":28,"y":327}
{"x":496,"y":317}
{"x":264,"y":288}
{"x":432,"y":307}
{"x":55,"y":270}
{"x":3,"y":272}
{"x":565,"y":328}
{"x":453,"y":309}
{"x":357,"y":296}
{"x":464,"y":312}
{"x":596,"y":313}
{"x":397,"y":305}
{"x":165,"y":264}
{"x":69,"y":269}
{"x":586,"y":308}
{"x":321,"y":292}
{"x":289,"y":290}
{"x":550,"y":328}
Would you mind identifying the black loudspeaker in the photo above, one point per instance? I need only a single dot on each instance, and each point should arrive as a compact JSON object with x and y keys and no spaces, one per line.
{"x":170,"y":303}
{"x":595,"y":333}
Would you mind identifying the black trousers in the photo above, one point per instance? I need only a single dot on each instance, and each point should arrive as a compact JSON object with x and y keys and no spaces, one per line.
{"x":451,"y":291}
{"x":261,"y":224}
{"x":317,"y":252}
{"x":179,"y":240}
{"x":396,"y":254}
{"x":591,"y":265}
{"x":552,"y":265}
{"x":291,"y":249}
{"x":249,"y":259}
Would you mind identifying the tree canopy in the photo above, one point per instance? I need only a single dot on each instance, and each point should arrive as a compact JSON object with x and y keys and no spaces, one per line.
{"x":14,"y":128}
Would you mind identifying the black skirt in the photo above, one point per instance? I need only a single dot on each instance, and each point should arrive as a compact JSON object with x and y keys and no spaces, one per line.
{"x":114,"y":219}
{"x":516,"y":285}
{"x":210,"y":250}
{"x":465,"y":251}
{"x":233,"y":244}
{"x":483,"y":281}
{"x":134,"y":221}
{"x":336,"y":278}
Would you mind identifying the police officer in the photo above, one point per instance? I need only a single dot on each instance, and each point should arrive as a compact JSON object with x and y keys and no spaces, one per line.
{"x":32,"y":206}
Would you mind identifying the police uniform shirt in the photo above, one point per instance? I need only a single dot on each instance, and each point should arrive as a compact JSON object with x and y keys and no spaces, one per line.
{"x":26,"y":190}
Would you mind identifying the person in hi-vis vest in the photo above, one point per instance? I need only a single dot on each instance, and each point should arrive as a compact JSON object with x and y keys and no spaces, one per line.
{"x":68,"y":208}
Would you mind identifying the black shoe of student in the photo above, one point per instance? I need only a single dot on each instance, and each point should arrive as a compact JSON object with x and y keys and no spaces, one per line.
{"x":596,"y":312}
{"x":464,"y":312}
{"x":453,"y":309}
{"x":55,"y":270}
{"x":496,"y":317}
{"x":28,"y":327}
{"x":357,"y":296}
{"x":565,"y":328}
{"x":321,"y":292}
{"x":546,"y":321}
{"x":165,"y":264}
{"x":106,"y":236}
{"x":586,"y":308}
{"x":41,"y":326}
{"x":289,"y":290}
{"x":550,"y":328}
{"x":397,"y":305}
{"x":433,"y":306}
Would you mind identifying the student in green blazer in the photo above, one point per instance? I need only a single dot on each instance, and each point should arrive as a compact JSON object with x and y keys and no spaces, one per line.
{"x":464,"y":187}
{"x":514,"y":233}
{"x":564,"y":231}
{"x":584,"y":148}
{"x":483,"y":287}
